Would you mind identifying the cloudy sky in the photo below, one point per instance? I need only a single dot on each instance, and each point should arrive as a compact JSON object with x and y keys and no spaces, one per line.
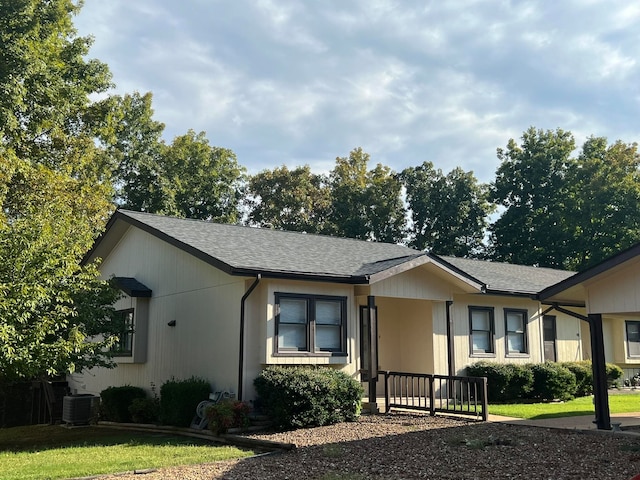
{"x":303,"y":81}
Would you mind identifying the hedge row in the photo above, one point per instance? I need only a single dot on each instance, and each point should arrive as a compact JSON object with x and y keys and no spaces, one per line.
{"x":297,"y":397}
{"x":539,"y":381}
{"x":176,"y":406}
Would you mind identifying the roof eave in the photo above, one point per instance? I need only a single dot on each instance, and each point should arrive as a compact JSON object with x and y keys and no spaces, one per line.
{"x":308,"y":276}
{"x":590,"y":273}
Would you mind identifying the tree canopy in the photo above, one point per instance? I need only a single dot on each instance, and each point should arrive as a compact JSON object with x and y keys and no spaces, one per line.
{"x":54,"y":192}
{"x":296,"y":200}
{"x":448,"y":212}
{"x":531,"y":186}
{"x":563,"y":211}
{"x":366,"y":204}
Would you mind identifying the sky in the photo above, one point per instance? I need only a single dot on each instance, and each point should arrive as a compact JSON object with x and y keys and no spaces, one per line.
{"x":301,"y":82}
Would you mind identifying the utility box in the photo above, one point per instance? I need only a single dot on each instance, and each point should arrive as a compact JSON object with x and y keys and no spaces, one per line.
{"x":77,"y":409}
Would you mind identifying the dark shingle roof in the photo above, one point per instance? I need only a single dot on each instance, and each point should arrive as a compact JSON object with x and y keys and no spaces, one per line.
{"x":244,"y":250}
{"x":239,"y":248}
{"x":505,"y":277}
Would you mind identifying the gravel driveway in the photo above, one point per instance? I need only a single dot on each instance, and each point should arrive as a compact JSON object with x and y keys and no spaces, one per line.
{"x":404,"y":446}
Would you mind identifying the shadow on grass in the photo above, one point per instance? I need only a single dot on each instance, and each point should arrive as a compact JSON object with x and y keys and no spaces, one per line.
{"x":575,"y":413}
{"x":45,"y":437}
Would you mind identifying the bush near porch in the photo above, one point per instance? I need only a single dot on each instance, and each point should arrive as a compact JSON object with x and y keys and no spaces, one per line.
{"x":507,"y":382}
{"x":296,"y":397}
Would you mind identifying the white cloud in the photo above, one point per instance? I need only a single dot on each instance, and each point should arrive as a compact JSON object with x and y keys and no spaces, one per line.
{"x":303,"y":82}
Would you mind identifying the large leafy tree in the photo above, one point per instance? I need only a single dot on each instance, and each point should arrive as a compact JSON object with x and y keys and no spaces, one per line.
{"x":54,"y":193}
{"x":201,"y":181}
{"x":295,"y":200}
{"x":532,"y":189}
{"x":448,"y":212}
{"x":605,"y":195}
{"x":366,"y":204}
{"x":133,"y":140}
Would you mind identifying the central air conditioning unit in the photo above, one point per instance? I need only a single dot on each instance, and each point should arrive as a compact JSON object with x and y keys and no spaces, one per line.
{"x":77,"y":409}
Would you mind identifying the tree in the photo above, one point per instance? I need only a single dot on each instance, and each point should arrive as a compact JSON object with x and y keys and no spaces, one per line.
{"x":134,"y":142}
{"x":531,"y":185}
{"x":365,"y":204}
{"x":49,"y":304}
{"x":46,"y":83}
{"x":605,"y":195}
{"x":201,"y":181}
{"x":448,"y":212}
{"x":54,"y":194}
{"x":294,"y":200}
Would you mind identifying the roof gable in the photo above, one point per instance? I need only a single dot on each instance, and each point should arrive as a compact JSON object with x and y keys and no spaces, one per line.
{"x":573,"y":286}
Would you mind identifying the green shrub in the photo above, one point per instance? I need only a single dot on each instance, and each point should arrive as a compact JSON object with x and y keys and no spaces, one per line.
{"x":552,"y":381}
{"x":614,"y":373}
{"x":227,"y":414}
{"x":179,"y":399}
{"x":584,"y":376}
{"x":115,"y":402}
{"x":499,"y":378}
{"x":297,"y":397}
{"x":520,"y":382}
{"x":144,"y":410}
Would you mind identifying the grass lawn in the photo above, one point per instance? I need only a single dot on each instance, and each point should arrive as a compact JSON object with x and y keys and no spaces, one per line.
{"x":618,"y":403}
{"x":49,"y":452}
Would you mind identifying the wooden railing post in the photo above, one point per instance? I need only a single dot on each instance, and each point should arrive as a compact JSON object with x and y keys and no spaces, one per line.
{"x":432,"y":396}
{"x":386,"y":392}
{"x":485,"y":400}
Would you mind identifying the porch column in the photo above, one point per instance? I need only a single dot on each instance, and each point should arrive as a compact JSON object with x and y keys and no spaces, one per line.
{"x":600,"y":393}
{"x":373,"y":347}
{"x":450,"y":343}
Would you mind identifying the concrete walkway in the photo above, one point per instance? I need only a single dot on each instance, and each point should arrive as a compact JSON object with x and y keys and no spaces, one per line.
{"x":581,"y":422}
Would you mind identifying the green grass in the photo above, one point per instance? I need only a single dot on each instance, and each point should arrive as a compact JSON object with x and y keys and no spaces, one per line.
{"x":622,"y":403}
{"x":54,"y":452}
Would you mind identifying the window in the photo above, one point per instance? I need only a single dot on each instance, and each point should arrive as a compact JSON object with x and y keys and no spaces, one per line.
{"x":310,"y":323}
{"x":481,"y":330}
{"x":633,"y":338}
{"x":124,"y":346}
{"x":515,"y":327}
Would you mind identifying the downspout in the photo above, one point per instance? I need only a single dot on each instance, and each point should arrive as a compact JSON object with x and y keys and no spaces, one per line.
{"x":241,"y":349}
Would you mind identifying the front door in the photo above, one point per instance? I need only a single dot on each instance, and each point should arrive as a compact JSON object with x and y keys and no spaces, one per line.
{"x":549,"y":337}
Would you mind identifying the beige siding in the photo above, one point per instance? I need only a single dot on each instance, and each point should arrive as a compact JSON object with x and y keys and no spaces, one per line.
{"x":204,"y":302}
{"x":615,"y":340}
{"x":569,"y":337}
{"x":417,"y":283}
{"x":616,"y":293}
{"x":405,"y":335}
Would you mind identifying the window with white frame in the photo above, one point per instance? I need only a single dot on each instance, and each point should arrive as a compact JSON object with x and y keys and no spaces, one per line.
{"x":515,"y":327}
{"x":633,"y":338}
{"x":310,"y":324}
{"x":481,"y":330}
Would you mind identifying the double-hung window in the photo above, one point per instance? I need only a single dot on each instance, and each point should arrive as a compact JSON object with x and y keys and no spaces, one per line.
{"x":124,"y":346}
{"x":481,"y":331}
{"x":633,"y":338}
{"x":515,"y":327}
{"x":310,"y":323}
